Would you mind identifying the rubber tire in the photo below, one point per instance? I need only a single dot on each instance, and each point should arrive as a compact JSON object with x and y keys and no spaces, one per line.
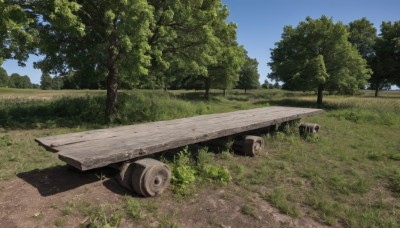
{"x":150,"y":177}
{"x":252,"y":145}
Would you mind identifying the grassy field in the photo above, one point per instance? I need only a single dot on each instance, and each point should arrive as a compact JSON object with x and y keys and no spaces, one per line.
{"x":348,"y":175}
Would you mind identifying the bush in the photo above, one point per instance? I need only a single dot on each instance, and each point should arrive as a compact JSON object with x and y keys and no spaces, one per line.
{"x":183,"y":173}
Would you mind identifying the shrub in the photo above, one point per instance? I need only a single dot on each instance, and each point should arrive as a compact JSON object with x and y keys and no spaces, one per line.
{"x":183,"y":173}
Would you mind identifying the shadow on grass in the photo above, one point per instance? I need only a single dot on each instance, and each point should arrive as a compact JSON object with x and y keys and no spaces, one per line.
{"x":60,"y":179}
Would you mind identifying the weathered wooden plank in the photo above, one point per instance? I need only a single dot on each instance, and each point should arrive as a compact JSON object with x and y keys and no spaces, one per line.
{"x":97,"y":148}
{"x":55,"y":141}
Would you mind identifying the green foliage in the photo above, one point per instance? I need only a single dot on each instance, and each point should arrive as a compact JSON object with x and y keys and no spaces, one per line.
{"x":386,"y":62}
{"x":314,"y":49}
{"x":99,"y":216}
{"x":17,"y":33}
{"x":21,"y":82}
{"x":164,"y":40}
{"x":189,"y":37}
{"x":105,"y":216}
{"x":3,"y":77}
{"x":363,"y":36}
{"x":249,"y":75}
{"x":46,"y":81}
{"x":209,"y":172}
{"x":267,"y":85}
{"x":183,"y":173}
{"x":226,"y":55}
{"x":186,"y":171}
{"x":73,"y":33}
{"x":134,"y":208}
{"x":218,"y":174}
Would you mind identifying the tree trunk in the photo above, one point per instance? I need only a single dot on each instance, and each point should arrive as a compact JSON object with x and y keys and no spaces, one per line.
{"x":112,"y":81}
{"x":320,"y":95}
{"x":207,"y":86}
{"x":245,"y":91}
{"x":112,"y":89}
{"x":377,"y":90}
{"x":224,"y":92}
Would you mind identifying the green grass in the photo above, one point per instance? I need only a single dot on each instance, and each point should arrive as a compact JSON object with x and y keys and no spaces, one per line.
{"x":249,"y":210}
{"x":349,"y":174}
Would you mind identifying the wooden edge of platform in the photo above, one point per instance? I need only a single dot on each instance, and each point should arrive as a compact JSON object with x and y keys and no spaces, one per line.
{"x":72,"y":162}
{"x":47,"y":147}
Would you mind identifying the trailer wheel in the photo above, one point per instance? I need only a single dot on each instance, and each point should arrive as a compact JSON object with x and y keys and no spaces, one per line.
{"x":252,"y":145}
{"x":150,"y":177}
{"x":308,"y":128}
{"x":125,"y":175}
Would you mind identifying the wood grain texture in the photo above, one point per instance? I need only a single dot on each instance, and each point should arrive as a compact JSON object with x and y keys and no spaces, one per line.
{"x":98,"y":148}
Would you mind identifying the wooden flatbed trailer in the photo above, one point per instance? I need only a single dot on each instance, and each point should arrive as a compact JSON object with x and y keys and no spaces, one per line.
{"x":120,"y":146}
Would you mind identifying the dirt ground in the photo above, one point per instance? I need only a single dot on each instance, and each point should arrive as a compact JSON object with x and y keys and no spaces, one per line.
{"x":37,"y":198}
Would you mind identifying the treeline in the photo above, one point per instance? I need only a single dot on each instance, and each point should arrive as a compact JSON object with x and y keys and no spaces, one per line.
{"x":15,"y":80}
{"x":321,"y":55}
{"x":248,"y":78}
{"x":127,"y":44}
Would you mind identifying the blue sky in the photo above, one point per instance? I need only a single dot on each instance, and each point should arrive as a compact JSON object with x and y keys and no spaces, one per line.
{"x":260,"y":23}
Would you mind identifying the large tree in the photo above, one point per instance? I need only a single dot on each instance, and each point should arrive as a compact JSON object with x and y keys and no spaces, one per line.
{"x":226,"y":71}
{"x":249,"y":75}
{"x":130,"y":41}
{"x":192,"y":40}
{"x":99,"y":38}
{"x":316,"y":55}
{"x":225,"y":56}
{"x":363,"y":35}
{"x":386,"y":63}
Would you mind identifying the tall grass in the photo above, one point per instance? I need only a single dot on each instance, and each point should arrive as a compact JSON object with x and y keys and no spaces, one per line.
{"x":88,"y":110}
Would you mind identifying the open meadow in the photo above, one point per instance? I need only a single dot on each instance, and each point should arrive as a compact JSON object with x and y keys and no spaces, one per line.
{"x":346,"y":176}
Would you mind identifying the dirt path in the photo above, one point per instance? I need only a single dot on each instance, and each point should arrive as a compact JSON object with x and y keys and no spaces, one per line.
{"x":38,"y":198}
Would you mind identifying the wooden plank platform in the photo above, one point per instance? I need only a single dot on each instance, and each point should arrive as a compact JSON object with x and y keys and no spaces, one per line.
{"x":98,"y":148}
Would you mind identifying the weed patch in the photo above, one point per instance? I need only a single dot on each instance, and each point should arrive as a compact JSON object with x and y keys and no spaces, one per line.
{"x":248,"y":209}
{"x":186,"y":171}
{"x":96,"y":215}
{"x":280,"y":199}
{"x":135,"y":208}
{"x":394,"y":179}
